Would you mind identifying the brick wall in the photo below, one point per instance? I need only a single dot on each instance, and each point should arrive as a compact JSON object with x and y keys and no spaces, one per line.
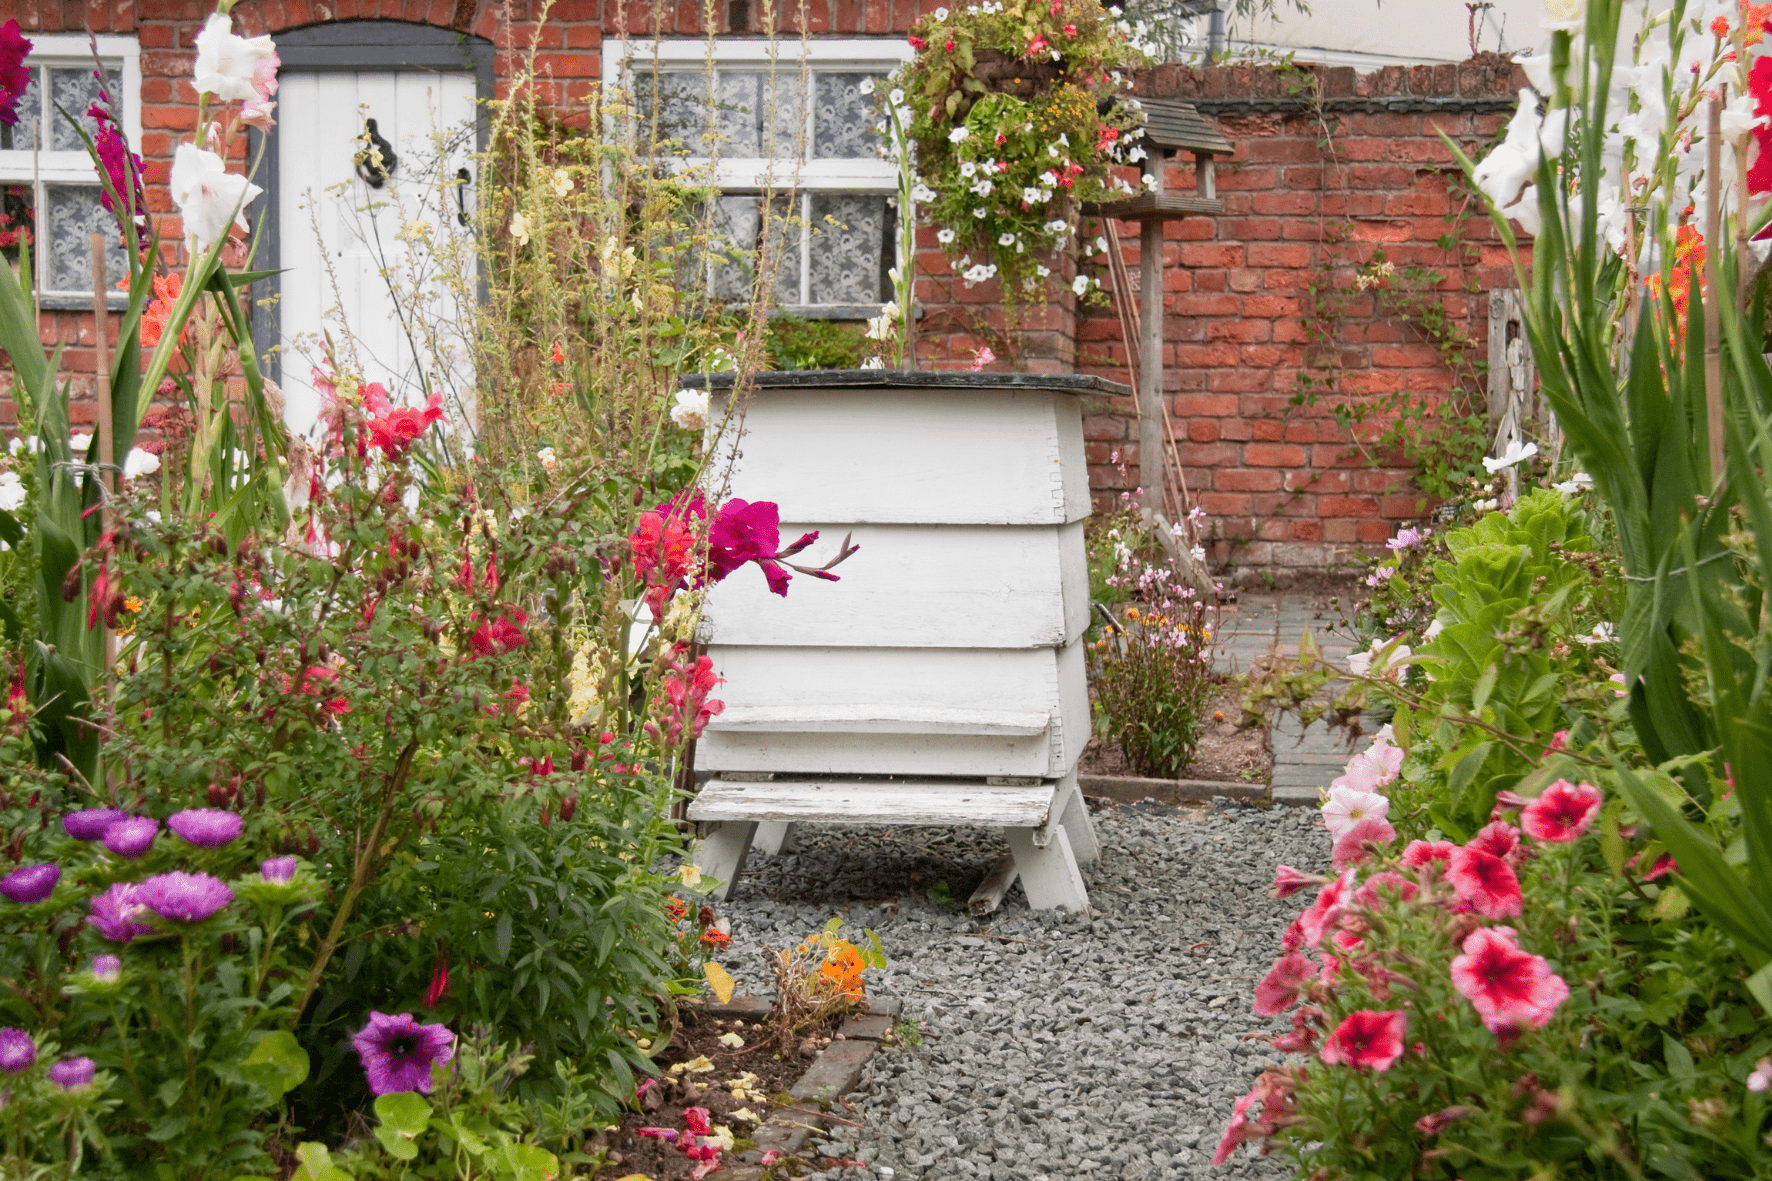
{"x":1314,"y":184}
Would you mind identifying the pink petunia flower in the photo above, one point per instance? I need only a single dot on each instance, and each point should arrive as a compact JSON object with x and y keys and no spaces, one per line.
{"x":1418,"y":853}
{"x":1279,"y":990}
{"x":1497,"y":838}
{"x":1563,"y":812}
{"x":1314,"y":922}
{"x":1512,"y":990}
{"x":1433,"y":1125}
{"x":1392,"y":883}
{"x":1367,"y":1040}
{"x":1289,"y":881}
{"x":1303,"y":1038}
{"x":1347,"y":806}
{"x":1486,"y":882}
{"x":1356,"y":844}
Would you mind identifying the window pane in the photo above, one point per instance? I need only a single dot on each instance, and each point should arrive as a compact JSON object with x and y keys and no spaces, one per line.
{"x":737,"y":226}
{"x":18,"y":137}
{"x":74,"y":88}
{"x":74,"y":215}
{"x":844,"y":118}
{"x":18,"y":221}
{"x":848,"y":248}
{"x":757,"y":119}
{"x":681,"y":101}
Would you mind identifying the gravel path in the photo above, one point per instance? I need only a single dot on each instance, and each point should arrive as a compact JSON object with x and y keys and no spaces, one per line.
{"x":1054,"y":1046}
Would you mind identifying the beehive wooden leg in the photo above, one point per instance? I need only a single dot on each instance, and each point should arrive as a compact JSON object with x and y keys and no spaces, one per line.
{"x":1077,"y":823}
{"x":722,"y":852}
{"x":1049,"y":875}
{"x":773,"y":836}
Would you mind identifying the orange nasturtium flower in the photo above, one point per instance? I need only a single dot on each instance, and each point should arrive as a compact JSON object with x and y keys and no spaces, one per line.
{"x":843,"y":967}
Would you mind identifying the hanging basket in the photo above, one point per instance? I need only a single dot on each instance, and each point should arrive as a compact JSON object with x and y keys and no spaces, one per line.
{"x":1016,"y":76}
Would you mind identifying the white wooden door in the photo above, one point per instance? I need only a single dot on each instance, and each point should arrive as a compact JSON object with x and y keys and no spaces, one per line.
{"x":380,"y":269}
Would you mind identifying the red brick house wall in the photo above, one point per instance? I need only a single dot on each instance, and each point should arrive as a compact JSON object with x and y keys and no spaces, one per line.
{"x":1279,"y":487}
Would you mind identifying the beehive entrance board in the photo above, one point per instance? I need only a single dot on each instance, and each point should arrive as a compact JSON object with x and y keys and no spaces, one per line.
{"x":941,"y":681}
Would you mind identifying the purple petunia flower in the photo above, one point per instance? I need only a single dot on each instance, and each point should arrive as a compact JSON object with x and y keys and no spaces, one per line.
{"x":115,"y":911}
{"x":184,"y":897}
{"x":398,"y":1052}
{"x":107,"y":969}
{"x":30,"y":883}
{"x":92,"y":823}
{"x":208,"y":827}
{"x":72,"y":1073}
{"x":278,"y":871}
{"x":17,"y":1050}
{"x":131,"y":838}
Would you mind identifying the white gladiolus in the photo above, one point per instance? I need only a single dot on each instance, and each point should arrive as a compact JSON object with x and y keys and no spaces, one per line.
{"x":209,"y":197}
{"x":1562,"y":16}
{"x":78,"y":445}
{"x":12,"y":491}
{"x":1575,"y":484}
{"x":226,"y":61}
{"x":1505,"y":171}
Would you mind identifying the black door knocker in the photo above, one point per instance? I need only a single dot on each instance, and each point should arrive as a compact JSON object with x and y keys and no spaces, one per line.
{"x":376,"y":162}
{"x":463,"y":178}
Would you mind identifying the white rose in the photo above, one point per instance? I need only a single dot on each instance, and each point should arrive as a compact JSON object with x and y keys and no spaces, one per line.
{"x":691,"y":410}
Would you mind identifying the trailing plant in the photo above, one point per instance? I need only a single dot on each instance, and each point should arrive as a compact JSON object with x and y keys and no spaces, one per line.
{"x":1019,"y":114}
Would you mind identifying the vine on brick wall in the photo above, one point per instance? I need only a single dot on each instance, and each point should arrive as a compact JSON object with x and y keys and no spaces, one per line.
{"x":1442,"y":435}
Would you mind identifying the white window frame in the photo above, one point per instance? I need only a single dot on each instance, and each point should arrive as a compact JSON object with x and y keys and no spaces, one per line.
{"x":744,"y":175}
{"x":45,"y":167}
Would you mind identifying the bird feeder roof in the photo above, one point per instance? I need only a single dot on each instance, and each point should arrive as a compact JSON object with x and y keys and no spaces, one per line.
{"x":1172,"y":125}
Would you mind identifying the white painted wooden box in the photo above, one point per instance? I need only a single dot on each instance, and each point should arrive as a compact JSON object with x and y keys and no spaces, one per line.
{"x":950,"y":653}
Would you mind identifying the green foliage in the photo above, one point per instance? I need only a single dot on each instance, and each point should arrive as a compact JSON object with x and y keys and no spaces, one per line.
{"x":1153,"y":676}
{"x":813,"y":344}
{"x":1003,"y":105}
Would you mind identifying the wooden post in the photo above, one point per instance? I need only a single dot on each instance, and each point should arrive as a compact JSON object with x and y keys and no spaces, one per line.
{"x":1150,"y":365}
{"x":1713,"y":310}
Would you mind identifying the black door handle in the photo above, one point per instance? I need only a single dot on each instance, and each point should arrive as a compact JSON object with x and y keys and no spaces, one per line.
{"x":376,"y":162}
{"x":463,"y":178}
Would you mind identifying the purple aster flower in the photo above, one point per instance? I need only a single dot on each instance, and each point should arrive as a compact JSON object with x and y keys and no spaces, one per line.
{"x":30,"y":883}
{"x":17,"y":1050}
{"x":107,"y":969}
{"x":278,"y":871}
{"x":398,"y":1052}
{"x":208,"y":827}
{"x":114,"y":914}
{"x":130,"y":838}
{"x":92,"y":823}
{"x":72,"y":1073}
{"x":184,"y":897}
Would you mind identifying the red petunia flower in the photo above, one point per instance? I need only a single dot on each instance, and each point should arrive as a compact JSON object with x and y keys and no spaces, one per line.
{"x":1563,"y":812}
{"x":1511,"y":989}
{"x":1367,"y":1040}
{"x":1279,"y":990}
{"x":1486,"y":882}
{"x":1314,"y":923}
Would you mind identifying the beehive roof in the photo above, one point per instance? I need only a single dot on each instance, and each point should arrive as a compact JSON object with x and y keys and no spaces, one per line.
{"x":1171,"y":125}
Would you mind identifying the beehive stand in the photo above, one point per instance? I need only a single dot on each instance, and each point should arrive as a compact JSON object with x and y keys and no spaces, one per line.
{"x":942,"y":680}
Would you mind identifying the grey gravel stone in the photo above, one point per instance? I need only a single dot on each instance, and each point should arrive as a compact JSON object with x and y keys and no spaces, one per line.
{"x":1105,"y":1045}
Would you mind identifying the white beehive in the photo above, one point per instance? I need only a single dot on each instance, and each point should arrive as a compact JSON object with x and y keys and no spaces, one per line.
{"x":942,"y":679}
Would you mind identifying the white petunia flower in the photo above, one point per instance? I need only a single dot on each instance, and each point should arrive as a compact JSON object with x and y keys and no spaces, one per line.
{"x":867,"y":87}
{"x":922,"y":192}
{"x":1032,"y":195}
{"x":1101,"y":244}
{"x":140,"y":463}
{"x":1080,"y":284}
{"x":895,"y":96}
{"x":984,"y":186}
{"x":968,"y":168}
{"x":941,"y":14}
{"x":1044,"y":271}
{"x":959,"y":134}
{"x":944,"y":236}
{"x":980,"y":212}
{"x":1006,"y":239}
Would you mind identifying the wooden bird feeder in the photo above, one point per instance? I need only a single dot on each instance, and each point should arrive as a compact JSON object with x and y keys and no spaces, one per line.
{"x":1170,"y":127}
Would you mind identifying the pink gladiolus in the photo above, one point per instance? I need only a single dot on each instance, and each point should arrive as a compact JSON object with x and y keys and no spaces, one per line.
{"x":1497,"y":838}
{"x":1355,"y":845}
{"x":1279,"y":990}
{"x":1563,"y":812}
{"x":1367,"y":1040}
{"x":1486,"y":882}
{"x":1418,"y":853}
{"x":1289,"y":881}
{"x":1511,"y":989}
